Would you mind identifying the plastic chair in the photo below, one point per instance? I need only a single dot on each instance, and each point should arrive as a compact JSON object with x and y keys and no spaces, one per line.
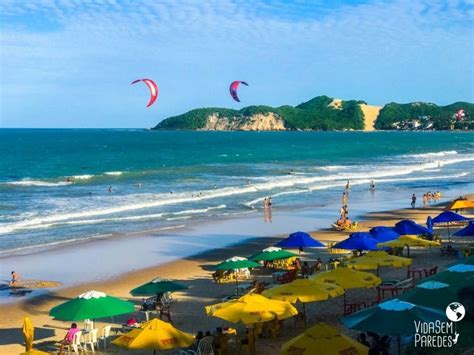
{"x":90,"y":339}
{"x":76,"y":344}
{"x":204,"y":347}
{"x":88,"y":324}
{"x":104,"y":335}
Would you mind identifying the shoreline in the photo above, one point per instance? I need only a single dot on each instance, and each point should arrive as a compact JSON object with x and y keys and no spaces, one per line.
{"x":194,"y":271}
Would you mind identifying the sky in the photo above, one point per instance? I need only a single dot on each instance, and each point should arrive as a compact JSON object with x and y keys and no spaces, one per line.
{"x":69,"y":63}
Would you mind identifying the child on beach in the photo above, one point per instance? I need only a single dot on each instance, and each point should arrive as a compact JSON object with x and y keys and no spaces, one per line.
{"x":69,"y":338}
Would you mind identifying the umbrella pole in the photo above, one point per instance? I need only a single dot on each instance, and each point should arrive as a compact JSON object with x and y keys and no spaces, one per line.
{"x":449,"y":235}
{"x":399,"y":345}
{"x":236,"y":284}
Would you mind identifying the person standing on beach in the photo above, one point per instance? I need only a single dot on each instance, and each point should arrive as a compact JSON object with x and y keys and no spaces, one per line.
{"x":344,"y":198}
{"x":372,"y":185}
{"x":15,"y":279}
{"x":348,"y":185}
{"x":413,"y":201}
{"x":110,"y":188}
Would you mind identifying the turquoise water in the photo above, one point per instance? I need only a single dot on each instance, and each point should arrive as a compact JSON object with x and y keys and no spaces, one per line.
{"x":161,"y":179}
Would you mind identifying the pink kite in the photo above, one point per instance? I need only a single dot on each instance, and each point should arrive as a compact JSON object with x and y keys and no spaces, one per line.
{"x":152,"y":87}
{"x":233,"y":89}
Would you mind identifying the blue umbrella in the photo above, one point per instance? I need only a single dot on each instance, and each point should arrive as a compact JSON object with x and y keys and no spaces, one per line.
{"x":447,"y":217}
{"x":300,"y":240}
{"x":408,"y":227}
{"x":358,"y":241}
{"x":467,"y":231}
{"x":383,"y":234}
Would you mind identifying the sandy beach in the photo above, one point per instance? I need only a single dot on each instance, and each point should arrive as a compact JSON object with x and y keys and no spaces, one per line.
{"x":188,"y":312}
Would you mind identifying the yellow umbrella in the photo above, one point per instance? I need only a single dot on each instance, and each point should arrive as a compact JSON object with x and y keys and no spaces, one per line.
{"x":303,"y":290}
{"x":348,"y":278}
{"x":251,"y":308}
{"x":28,"y":333}
{"x":374,"y":259}
{"x":408,"y":241}
{"x":460,"y":204}
{"x":155,"y":334}
{"x":326,"y":339}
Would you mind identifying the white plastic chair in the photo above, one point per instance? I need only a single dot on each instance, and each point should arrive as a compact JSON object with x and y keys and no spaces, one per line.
{"x":76,"y":345}
{"x":90,"y":339}
{"x":104,"y":335}
{"x":205,"y":346}
{"x":88,"y":324}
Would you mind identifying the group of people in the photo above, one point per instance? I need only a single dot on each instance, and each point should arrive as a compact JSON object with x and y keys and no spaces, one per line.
{"x":431,"y":196}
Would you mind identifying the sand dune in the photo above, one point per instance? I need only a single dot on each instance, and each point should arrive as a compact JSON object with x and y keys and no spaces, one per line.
{"x":370,"y":114}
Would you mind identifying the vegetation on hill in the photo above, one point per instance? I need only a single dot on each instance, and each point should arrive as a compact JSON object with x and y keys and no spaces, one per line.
{"x":420,"y":115}
{"x":315,"y":114}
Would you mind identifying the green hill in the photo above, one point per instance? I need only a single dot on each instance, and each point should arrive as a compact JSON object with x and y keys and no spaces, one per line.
{"x":316,"y":114}
{"x":422,"y":115}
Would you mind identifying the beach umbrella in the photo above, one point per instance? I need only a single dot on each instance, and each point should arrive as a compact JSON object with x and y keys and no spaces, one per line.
{"x":408,"y":241}
{"x":157,"y":286}
{"x":393,"y":317}
{"x":326,"y":339}
{"x":271,"y":254}
{"x":304,"y":291}
{"x":448,"y":217}
{"x":374,"y":259}
{"x":91,"y":305}
{"x":348,"y":278}
{"x":383,"y":234}
{"x":409,"y":227}
{"x":251,"y":308}
{"x":460,"y":204}
{"x":358,"y":241}
{"x":300,"y":240}
{"x":433,"y":294}
{"x":467,"y":231}
{"x":236,"y":263}
{"x":29,"y":333}
{"x":154,"y":335}
{"x":456,"y":276}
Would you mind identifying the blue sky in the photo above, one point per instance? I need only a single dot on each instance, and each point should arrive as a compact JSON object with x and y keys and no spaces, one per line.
{"x":67,"y":63}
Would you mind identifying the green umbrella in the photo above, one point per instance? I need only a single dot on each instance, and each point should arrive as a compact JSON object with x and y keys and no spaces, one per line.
{"x":433,"y":294}
{"x":272,"y":253}
{"x":236,"y":263}
{"x":392,"y":317}
{"x":157,"y":286}
{"x":91,"y":305}
{"x":455,"y":276}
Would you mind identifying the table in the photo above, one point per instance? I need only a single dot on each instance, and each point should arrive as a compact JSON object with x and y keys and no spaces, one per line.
{"x":412,"y":273}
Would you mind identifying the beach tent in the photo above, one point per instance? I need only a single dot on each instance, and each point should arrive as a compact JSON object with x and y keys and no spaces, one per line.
{"x":392,"y":317}
{"x":375,"y":259}
{"x":460,"y":204}
{"x":299,"y":240}
{"x":327,"y":340}
{"x":358,"y":241}
{"x":383,"y":234}
{"x":251,"y":308}
{"x":467,"y":231}
{"x":448,"y":217}
{"x":271,"y":254}
{"x":409,"y":227}
{"x":433,"y":294}
{"x":91,"y":305}
{"x":304,"y":291}
{"x":408,"y":241}
{"x":154,"y":335}
{"x":157,"y":286}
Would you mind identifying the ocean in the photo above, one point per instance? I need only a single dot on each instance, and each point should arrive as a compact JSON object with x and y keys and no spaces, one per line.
{"x":54,"y":183}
